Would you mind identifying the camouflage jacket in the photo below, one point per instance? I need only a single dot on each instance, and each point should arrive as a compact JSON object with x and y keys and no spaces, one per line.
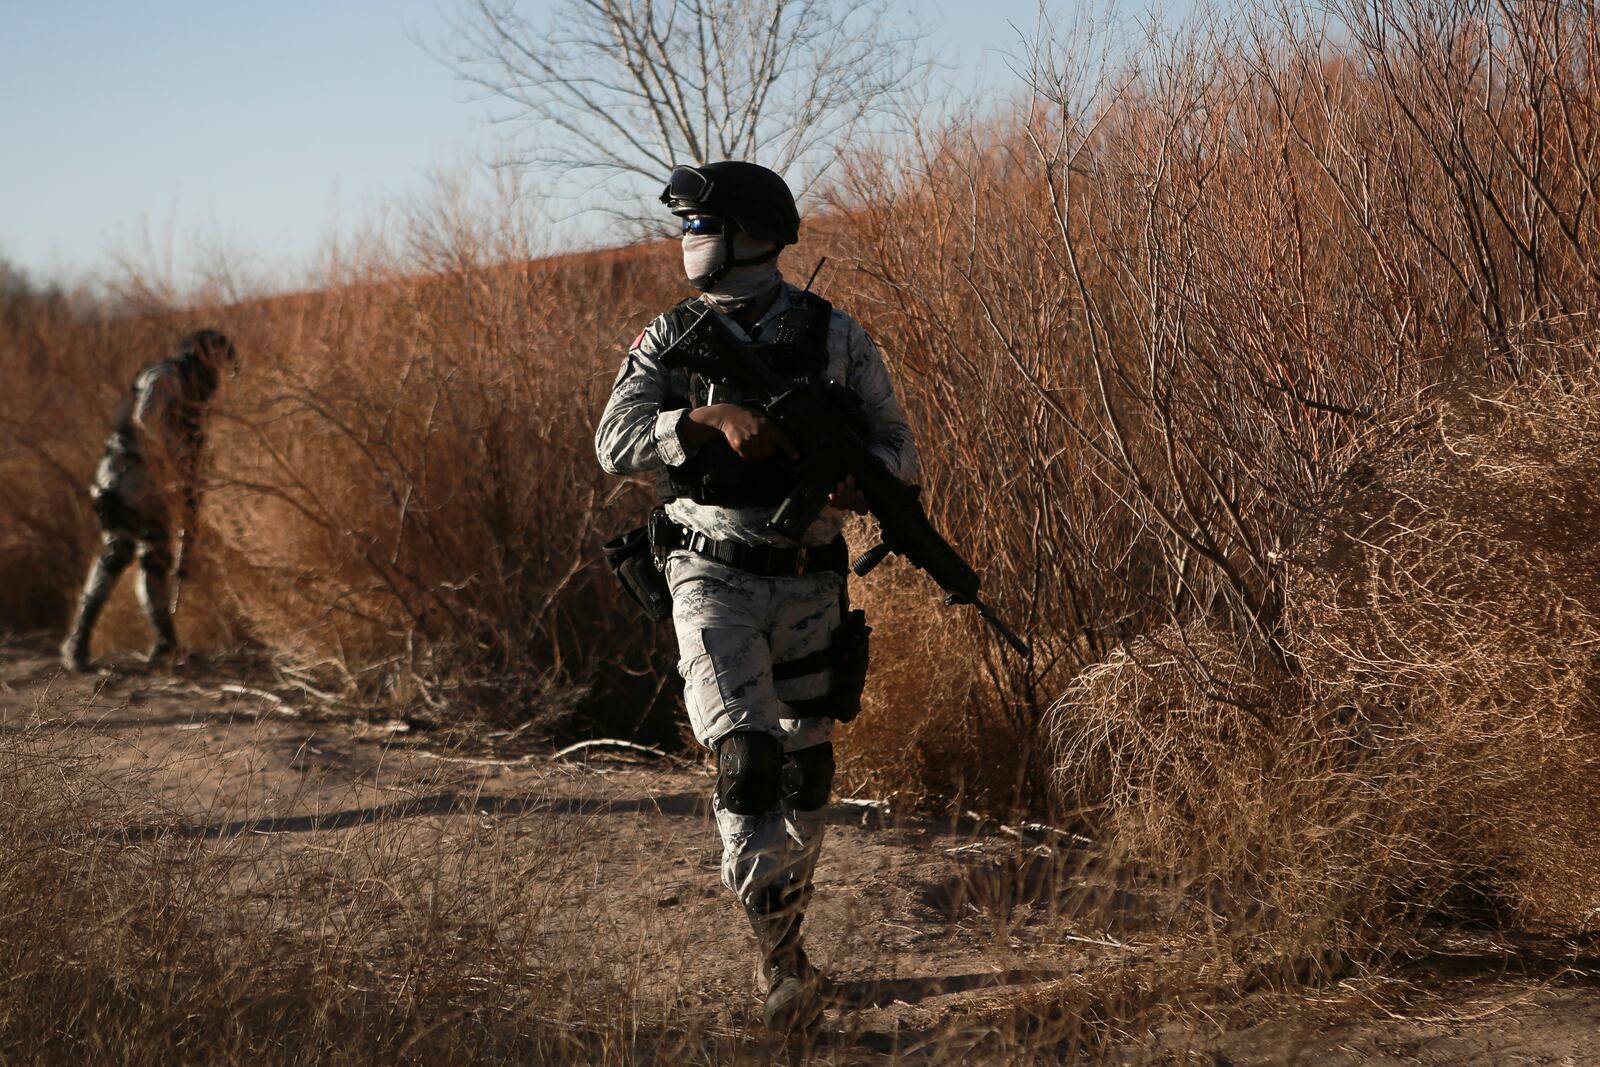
{"x":161,"y":423}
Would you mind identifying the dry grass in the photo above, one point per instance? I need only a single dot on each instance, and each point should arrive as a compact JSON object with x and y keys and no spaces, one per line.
{"x":142,"y":933}
{"x":203,"y":900}
{"x":1273,"y":816}
{"x":158,"y":949}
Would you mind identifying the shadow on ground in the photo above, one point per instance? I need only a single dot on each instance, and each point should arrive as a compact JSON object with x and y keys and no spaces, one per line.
{"x":881,"y":992}
{"x":447,"y":803}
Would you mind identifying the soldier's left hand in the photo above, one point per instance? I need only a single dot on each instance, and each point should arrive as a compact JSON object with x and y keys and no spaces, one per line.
{"x":846,"y":497}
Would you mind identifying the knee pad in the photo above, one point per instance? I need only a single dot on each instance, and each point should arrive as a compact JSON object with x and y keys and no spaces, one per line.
{"x":749,"y":772}
{"x":808,"y":777}
{"x":117,"y":553}
{"x":154,"y":559}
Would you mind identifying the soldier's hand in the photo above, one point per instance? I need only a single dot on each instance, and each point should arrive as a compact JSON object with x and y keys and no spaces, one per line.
{"x":752,"y":436}
{"x":847,"y":497}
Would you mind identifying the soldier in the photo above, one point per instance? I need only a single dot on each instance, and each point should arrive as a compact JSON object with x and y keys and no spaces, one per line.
{"x":754,"y":612}
{"x":152,"y":459}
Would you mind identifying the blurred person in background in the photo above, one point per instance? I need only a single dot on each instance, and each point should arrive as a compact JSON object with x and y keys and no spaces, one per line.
{"x":756,"y":614}
{"x":147,"y":486}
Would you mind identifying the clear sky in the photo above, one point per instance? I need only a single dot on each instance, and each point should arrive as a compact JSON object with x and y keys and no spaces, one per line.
{"x":154,"y":129}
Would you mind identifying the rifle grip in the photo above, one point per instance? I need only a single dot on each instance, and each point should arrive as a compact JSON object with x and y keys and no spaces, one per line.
{"x":796,"y":514}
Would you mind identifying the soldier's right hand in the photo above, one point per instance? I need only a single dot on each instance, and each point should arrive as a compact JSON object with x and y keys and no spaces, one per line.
{"x":751,"y":435}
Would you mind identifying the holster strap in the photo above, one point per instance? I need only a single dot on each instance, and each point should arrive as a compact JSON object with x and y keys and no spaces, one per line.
{"x":811,"y":663}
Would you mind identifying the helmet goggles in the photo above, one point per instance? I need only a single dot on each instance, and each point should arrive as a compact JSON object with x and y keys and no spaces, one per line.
{"x":688,"y":189}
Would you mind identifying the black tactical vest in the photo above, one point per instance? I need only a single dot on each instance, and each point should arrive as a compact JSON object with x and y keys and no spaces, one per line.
{"x":795,"y":346}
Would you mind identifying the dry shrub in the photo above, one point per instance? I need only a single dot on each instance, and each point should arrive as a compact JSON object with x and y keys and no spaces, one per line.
{"x":1147,"y":314}
{"x":428,"y":535}
{"x":1277,"y":246}
{"x":1429,"y":748}
{"x":1259,"y":810}
{"x":1451,"y":591}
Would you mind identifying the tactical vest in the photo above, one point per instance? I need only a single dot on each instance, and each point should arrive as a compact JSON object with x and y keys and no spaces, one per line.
{"x":795,"y":346}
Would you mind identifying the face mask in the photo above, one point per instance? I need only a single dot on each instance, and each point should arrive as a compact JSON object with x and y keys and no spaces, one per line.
{"x":730,"y":288}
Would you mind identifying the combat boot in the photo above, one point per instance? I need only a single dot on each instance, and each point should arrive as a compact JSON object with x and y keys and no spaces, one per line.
{"x":792,"y":987}
{"x":165,"y":648}
{"x":796,"y":952}
{"x":108,"y":566}
{"x":794,"y":998}
{"x":75,"y":652}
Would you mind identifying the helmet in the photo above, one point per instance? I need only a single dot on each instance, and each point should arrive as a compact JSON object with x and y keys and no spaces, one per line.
{"x":208,"y":346}
{"x":756,"y":199}
{"x":203,"y":354}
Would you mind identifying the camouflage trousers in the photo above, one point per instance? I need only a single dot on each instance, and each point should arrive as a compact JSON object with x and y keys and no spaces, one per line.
{"x":133,"y":519}
{"x":732,"y":628}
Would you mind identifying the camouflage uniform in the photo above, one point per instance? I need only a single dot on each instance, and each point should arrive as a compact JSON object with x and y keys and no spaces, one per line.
{"x":732,"y":625}
{"x":161,"y":423}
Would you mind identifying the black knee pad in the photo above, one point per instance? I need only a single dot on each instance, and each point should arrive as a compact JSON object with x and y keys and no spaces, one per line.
{"x":117,"y":554}
{"x":808,"y":777}
{"x":154,"y":559}
{"x":749,"y":772}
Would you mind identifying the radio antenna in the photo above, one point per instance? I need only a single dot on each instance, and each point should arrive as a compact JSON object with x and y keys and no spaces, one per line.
{"x":815,"y":272}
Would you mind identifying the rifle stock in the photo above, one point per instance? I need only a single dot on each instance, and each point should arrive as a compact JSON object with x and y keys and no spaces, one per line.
{"x":830,"y":451}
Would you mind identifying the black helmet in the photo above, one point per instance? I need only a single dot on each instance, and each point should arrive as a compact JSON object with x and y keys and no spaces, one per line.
{"x":756,"y":199}
{"x":210,"y":347}
{"x":203,"y":354}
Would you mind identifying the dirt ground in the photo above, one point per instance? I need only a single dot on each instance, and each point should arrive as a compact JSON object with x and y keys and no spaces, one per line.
{"x":921,"y":923}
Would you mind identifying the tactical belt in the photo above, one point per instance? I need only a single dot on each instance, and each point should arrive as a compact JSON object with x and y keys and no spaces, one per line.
{"x":768,"y":561}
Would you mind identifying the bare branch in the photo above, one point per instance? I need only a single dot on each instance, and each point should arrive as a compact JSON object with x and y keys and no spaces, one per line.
{"x":624,"y":89}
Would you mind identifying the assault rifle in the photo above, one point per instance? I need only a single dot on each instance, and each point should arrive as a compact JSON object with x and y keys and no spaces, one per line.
{"x":829,"y":452}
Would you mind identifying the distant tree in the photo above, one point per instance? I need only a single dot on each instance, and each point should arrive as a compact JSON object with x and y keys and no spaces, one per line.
{"x":614,"y":93}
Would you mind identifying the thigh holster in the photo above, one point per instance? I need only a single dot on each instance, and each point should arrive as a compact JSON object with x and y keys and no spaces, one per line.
{"x":846,"y":655}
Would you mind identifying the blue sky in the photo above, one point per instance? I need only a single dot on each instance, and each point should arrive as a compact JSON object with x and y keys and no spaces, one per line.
{"x":152,"y":130}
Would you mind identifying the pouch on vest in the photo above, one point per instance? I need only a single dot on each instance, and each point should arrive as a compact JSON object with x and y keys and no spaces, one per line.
{"x":633,"y":562}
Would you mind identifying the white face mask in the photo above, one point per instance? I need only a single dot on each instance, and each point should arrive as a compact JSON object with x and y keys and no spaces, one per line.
{"x":735,"y":287}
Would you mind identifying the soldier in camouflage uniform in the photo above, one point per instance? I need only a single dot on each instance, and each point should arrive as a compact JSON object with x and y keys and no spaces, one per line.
{"x":755,"y":613}
{"x":152,"y":458}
